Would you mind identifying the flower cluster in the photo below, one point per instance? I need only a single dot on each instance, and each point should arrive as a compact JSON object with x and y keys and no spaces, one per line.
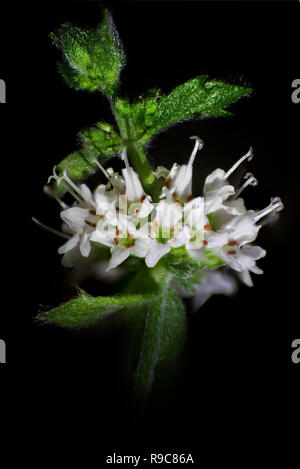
{"x":123,"y":217}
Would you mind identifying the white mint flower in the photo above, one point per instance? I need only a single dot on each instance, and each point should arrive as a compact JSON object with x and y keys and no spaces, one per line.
{"x":197,"y":223}
{"x":166,"y":231}
{"x":136,"y":196}
{"x":124,"y":240}
{"x":117,"y":215}
{"x":83,"y":218}
{"x":213,"y":282}
{"x":240,"y":231}
{"x":220,"y":197}
{"x":179,"y":180}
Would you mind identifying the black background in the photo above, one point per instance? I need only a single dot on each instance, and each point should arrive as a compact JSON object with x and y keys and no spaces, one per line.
{"x":237,"y":394}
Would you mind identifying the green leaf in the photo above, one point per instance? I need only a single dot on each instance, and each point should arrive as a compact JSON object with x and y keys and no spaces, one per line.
{"x":137,"y":117}
{"x":92,"y":60}
{"x":197,"y":98}
{"x":101,"y":142}
{"x":87,"y":310}
{"x":102,"y":139}
{"x":164,"y":332}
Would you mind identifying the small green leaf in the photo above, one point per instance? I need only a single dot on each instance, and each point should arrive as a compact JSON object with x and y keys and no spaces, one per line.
{"x":101,"y":142}
{"x":164,"y":332}
{"x":87,"y":310}
{"x":102,"y":139}
{"x":92,"y":60}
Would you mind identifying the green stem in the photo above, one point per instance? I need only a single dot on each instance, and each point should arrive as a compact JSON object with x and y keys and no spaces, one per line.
{"x":136,"y":153}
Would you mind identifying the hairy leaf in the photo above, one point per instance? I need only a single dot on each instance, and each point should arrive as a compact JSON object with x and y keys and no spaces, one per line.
{"x":163,"y":335}
{"x":139,"y":116}
{"x":102,"y":139}
{"x":197,"y":98}
{"x":100,"y":143}
{"x":86,"y":310}
{"x":92,"y":60}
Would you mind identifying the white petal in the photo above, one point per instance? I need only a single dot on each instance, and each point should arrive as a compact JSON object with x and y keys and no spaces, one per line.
{"x":85,"y":246}
{"x":161,"y":171}
{"x":156,"y":252}
{"x":235,"y":207}
{"x":256,"y":270}
{"x":168,"y":214}
{"x":244,"y":228}
{"x":173,"y":171}
{"x":221,"y":218}
{"x":215,"y":201}
{"x":197,"y":203}
{"x":134,"y":189}
{"x":182,"y":238}
{"x":235,"y":261}
{"x":256,"y":252}
{"x":141,"y":247}
{"x":217,"y":239}
{"x":105,"y":200}
{"x":182,"y":182}
{"x":145,"y":209}
{"x":117,"y":257}
{"x":87,"y":195}
{"x":105,"y":237}
{"x":214,"y":282}
{"x":214,"y":181}
{"x":70,"y":244}
{"x":74,"y":217}
{"x":246,"y":278}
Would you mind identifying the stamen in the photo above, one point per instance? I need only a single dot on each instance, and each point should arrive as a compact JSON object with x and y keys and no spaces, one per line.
{"x":53,"y":176}
{"x":248,"y":157}
{"x":68,"y":180}
{"x":89,"y":223}
{"x":50,"y":230}
{"x":251,"y":181}
{"x":102,"y":169}
{"x":198,"y":146}
{"x":232,"y":242}
{"x":275,"y":205}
